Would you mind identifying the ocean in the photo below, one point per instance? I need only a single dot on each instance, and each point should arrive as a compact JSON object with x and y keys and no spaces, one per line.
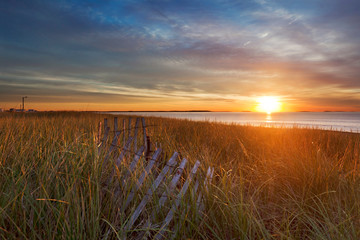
{"x":338,"y":121}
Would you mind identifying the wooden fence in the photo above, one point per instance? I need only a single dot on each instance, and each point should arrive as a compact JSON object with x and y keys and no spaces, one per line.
{"x":151,"y":189}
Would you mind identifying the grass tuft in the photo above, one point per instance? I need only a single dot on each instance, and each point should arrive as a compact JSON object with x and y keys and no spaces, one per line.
{"x":269,"y":183}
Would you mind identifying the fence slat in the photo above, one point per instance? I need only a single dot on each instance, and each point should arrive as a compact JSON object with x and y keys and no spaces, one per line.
{"x":115,"y":124}
{"x":173,"y":183}
{"x":150,"y":165}
{"x":103,"y":142}
{"x":124,"y":130}
{"x":129,"y":135}
{"x":112,"y":147}
{"x":133,"y":164}
{"x":172,"y":211}
{"x":124,"y":151}
{"x":127,"y":192}
{"x":208,"y":179}
{"x":205,"y":183}
{"x":142,"y":177}
{"x":120,"y":159}
{"x":136,"y":133}
{"x":98,"y":141}
{"x":167,"y":191}
{"x":105,"y":123}
{"x":129,"y":127}
{"x":149,"y":193}
{"x":194,"y":190}
{"x":144,"y":132}
{"x":136,"y":158}
{"x":196,"y":186}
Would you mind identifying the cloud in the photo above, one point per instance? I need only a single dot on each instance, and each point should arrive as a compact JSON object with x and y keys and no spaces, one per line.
{"x":193,"y":50}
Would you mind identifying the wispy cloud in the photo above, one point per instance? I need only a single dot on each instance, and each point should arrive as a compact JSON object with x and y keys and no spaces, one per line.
{"x":183,"y":51}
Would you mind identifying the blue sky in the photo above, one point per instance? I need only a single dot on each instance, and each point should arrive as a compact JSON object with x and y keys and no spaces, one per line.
{"x":180,"y":55}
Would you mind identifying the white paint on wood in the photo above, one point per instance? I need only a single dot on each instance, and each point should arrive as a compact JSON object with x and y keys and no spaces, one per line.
{"x":142,"y":177}
{"x":175,"y":205}
{"x":104,"y":140}
{"x":135,"y":161}
{"x":125,"y":150}
{"x":115,"y":124}
{"x":98,"y":141}
{"x":168,"y":191}
{"x":144,"y":132}
{"x":208,"y":179}
{"x":136,"y":133}
{"x":105,"y":123}
{"x":120,"y":159}
{"x":129,"y":127}
{"x":173,"y":183}
{"x":124,"y":130}
{"x":149,"y":193}
{"x":112,"y":147}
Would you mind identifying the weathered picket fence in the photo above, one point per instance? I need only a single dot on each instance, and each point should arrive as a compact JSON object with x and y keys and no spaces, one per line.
{"x":151,"y":189}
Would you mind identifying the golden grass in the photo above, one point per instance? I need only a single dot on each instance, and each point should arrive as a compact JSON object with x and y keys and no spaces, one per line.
{"x":270,"y":183}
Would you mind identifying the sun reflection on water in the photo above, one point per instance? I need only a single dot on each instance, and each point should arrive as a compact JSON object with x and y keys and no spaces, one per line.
{"x":268,"y":118}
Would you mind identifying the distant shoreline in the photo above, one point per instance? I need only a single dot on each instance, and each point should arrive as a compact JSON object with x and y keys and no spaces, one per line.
{"x":338,"y":121}
{"x":185,"y":111}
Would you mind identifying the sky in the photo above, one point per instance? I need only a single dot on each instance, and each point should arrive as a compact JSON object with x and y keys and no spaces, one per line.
{"x":217,"y":55}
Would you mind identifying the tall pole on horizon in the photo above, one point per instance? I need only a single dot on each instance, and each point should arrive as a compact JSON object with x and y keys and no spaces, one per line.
{"x":23,"y":103}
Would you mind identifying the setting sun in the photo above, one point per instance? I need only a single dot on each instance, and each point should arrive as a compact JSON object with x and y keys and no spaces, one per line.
{"x":268,"y":104}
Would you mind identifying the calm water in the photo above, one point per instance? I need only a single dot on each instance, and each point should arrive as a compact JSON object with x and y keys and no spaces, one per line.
{"x":340,"y":121}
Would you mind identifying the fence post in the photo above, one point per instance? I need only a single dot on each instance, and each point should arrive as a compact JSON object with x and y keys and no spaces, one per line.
{"x":144,"y":132}
{"x":115,"y":124}
{"x":136,"y":133}
{"x":129,"y":130}
{"x":103,"y":143}
{"x":124,"y":135}
{"x":105,"y":123}
{"x":99,"y":134}
{"x":148,"y":148}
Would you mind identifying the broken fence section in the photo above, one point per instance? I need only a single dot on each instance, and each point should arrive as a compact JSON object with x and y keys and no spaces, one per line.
{"x":146,"y":183}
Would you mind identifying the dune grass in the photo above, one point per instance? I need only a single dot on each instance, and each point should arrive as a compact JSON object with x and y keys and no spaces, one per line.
{"x":269,"y":183}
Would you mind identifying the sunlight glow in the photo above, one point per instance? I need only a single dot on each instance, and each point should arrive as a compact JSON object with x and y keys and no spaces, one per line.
{"x":268,"y":104}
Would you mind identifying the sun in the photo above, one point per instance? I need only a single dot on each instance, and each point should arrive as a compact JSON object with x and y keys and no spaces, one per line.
{"x":268,"y":104}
